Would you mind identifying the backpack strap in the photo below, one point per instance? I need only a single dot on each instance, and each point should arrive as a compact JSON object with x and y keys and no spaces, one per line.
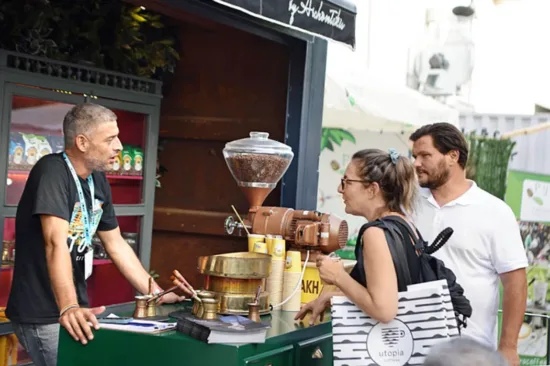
{"x":399,"y":257}
{"x":417,"y":240}
{"x":409,"y":245}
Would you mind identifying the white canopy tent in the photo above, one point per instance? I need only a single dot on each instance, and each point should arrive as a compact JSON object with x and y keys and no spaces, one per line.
{"x":375,"y":114}
{"x":357,"y":99}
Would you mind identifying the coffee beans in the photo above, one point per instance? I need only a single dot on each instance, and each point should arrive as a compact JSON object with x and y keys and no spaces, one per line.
{"x":257,"y":167}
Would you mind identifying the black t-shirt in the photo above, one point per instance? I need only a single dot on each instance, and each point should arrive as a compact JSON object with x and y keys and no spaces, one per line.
{"x":51,"y":190}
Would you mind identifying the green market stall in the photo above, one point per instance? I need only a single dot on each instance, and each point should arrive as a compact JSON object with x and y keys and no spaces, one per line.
{"x":528,"y":195}
{"x":287,"y":343}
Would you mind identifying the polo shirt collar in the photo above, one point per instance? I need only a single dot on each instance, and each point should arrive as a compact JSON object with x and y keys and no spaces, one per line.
{"x":467,"y":198}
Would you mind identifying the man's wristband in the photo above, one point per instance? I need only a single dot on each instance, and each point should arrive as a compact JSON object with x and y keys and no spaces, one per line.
{"x":64,"y":310}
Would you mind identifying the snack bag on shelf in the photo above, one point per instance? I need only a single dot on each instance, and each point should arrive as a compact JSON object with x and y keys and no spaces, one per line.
{"x":127,"y":159}
{"x":117,"y":165}
{"x":57,"y":144}
{"x":44,"y":147}
{"x":31,"y":149}
{"x":138,"y":161}
{"x":17,"y":151}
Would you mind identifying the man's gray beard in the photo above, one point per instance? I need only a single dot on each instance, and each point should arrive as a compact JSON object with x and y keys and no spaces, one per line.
{"x":96,"y":165}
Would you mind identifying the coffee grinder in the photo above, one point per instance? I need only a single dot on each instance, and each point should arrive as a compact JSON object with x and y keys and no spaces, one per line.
{"x":258,"y":163}
{"x":237,"y":280}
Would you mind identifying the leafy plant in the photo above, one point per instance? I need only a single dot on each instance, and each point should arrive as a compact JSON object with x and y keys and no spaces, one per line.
{"x":331,"y":136}
{"x":108,"y":34}
{"x":153,"y":274}
{"x":27,"y":28}
{"x":488,"y":163}
{"x":140,"y":44}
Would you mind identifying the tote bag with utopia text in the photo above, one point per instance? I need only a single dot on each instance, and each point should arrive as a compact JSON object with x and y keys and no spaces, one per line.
{"x":425,"y":317}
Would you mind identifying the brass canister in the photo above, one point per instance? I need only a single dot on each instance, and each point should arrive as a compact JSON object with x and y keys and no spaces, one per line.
{"x":254,"y":312}
{"x":244,"y":265}
{"x":238,"y":303}
{"x":233,"y":285}
{"x":151,"y":308}
{"x":200,"y":310}
{"x":206,"y":295}
{"x":196,"y":304}
{"x":203,"y":295}
{"x":210,"y":309}
{"x":141,"y":310}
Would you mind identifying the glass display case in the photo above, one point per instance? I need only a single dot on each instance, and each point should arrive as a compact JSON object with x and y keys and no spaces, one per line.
{"x":36,"y":130}
{"x":32,"y":108}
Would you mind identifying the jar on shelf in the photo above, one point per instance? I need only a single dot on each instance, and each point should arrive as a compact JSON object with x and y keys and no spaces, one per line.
{"x":8,"y":251}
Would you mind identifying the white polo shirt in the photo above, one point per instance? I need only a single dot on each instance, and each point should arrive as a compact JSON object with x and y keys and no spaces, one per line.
{"x":486,"y":242}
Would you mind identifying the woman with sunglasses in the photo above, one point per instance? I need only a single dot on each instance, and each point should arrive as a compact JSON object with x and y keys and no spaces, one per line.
{"x":376,"y":184}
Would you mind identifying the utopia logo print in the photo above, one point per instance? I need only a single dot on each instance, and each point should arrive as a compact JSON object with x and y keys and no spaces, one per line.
{"x":391,"y":336}
{"x":390,"y":344}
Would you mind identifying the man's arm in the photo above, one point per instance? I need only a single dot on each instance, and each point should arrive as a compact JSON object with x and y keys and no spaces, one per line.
{"x":60,"y":269}
{"x":58,"y":259}
{"x":509,"y":261}
{"x":513,"y":307}
{"x":125,"y":259}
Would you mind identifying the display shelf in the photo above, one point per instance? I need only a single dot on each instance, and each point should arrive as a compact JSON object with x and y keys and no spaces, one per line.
{"x":101,"y":262}
{"x":25,"y":173}
{"x":35,"y":130}
{"x":106,"y":286}
{"x":32,"y":127}
{"x":97,"y":262}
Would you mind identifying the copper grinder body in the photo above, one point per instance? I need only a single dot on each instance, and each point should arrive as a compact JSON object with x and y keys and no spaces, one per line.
{"x":302,"y":228}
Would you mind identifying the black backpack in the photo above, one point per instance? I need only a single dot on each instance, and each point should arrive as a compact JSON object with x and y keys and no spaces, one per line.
{"x":398,"y":235}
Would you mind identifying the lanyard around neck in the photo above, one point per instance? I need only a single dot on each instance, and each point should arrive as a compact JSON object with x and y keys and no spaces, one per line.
{"x":83,"y":206}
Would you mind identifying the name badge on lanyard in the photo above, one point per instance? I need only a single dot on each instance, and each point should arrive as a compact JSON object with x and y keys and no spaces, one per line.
{"x":86,"y":219}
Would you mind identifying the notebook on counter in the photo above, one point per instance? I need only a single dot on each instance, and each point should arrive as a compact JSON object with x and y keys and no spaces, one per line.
{"x":138,"y":326}
{"x":230,"y":329}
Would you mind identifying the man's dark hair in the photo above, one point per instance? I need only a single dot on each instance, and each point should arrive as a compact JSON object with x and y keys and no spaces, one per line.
{"x":446,"y":137}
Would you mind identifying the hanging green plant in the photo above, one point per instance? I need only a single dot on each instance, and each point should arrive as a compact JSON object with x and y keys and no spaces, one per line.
{"x":331,"y":136}
{"x":106,"y":34}
{"x":488,"y":163}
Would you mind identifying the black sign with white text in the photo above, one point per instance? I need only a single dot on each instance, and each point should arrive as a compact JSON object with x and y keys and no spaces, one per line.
{"x":320,"y":17}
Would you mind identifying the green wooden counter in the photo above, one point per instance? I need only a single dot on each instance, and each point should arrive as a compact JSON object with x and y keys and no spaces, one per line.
{"x":287,"y":343}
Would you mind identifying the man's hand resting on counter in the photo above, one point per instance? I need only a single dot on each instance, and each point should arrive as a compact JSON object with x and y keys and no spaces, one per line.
{"x":76,"y":321}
